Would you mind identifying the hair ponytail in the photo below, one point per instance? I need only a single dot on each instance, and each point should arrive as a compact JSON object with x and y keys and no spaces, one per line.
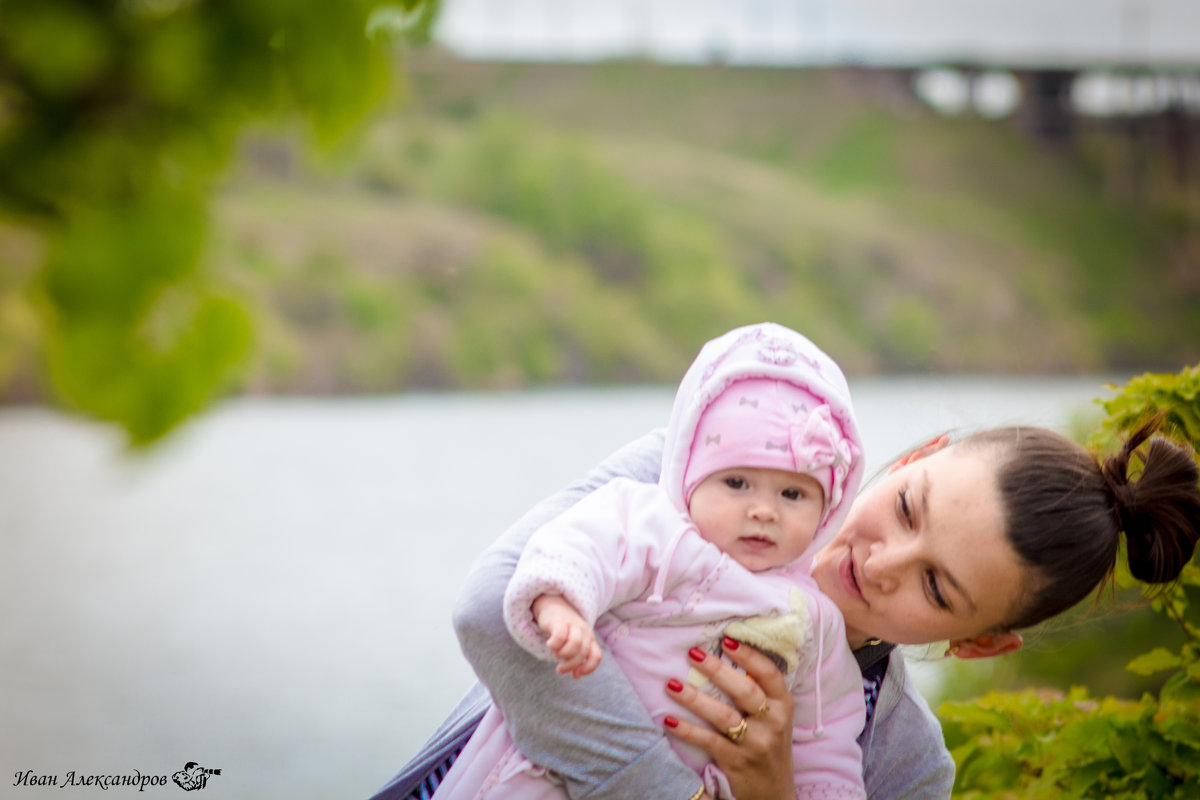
{"x":1159,"y":513}
{"x":1065,"y":512}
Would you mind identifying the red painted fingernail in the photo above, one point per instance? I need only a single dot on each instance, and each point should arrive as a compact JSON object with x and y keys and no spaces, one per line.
{"x":670,"y":722}
{"x":730,"y":644}
{"x":696,"y":654}
{"x":674,"y":685}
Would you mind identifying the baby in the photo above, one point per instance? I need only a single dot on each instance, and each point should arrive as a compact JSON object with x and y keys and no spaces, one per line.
{"x":761,"y":461}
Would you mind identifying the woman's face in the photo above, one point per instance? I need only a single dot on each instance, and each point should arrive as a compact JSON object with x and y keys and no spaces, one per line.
{"x":923,"y":556}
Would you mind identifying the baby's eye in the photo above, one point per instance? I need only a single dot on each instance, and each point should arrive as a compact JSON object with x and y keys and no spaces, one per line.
{"x":734,"y":482}
{"x":793,"y":494}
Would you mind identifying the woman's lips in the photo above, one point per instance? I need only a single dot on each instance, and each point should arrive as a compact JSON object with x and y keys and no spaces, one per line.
{"x":846,"y":573}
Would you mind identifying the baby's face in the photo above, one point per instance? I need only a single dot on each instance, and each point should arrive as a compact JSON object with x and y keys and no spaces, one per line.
{"x":763,"y":518}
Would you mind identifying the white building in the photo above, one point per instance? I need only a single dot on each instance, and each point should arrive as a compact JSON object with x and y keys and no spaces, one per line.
{"x":1131,"y":56}
{"x":798,"y":32}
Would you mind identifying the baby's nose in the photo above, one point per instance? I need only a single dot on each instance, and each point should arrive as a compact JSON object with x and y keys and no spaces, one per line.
{"x":762,"y":509}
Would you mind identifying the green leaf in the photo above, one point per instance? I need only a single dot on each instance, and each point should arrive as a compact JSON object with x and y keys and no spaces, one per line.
{"x":1129,"y":749}
{"x":390,"y":22}
{"x":1182,"y":731}
{"x":1084,"y":780}
{"x":1156,"y":660}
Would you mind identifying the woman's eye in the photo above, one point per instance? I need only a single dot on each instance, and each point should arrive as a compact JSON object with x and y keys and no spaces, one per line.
{"x":905,"y":511}
{"x":934,"y":591}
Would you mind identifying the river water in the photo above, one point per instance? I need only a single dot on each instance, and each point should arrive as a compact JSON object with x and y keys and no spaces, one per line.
{"x":268,"y":592}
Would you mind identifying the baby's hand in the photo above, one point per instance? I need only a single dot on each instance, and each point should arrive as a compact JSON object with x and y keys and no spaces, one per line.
{"x":571,"y":639}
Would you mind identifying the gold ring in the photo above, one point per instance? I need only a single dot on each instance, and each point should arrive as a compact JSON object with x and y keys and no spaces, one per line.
{"x":738,"y":731}
{"x":764,"y":708}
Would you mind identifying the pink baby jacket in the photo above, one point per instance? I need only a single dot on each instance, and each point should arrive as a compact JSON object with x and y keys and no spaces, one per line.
{"x":629,"y":559}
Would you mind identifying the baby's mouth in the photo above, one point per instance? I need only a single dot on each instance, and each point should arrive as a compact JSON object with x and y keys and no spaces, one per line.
{"x":757,"y":542}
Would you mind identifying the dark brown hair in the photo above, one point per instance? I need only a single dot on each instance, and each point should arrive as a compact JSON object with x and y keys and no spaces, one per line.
{"x":1065,"y":512}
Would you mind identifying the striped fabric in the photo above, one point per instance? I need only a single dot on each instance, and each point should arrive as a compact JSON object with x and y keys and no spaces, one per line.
{"x":436,"y":775}
{"x":872,"y":682}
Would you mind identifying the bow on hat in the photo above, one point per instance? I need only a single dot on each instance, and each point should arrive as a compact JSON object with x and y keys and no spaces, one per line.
{"x":817,"y":444}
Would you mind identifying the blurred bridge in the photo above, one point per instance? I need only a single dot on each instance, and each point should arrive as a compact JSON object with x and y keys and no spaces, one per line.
{"x":1054,"y":67}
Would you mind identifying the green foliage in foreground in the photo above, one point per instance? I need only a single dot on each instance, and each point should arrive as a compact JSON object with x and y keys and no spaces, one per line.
{"x":116,"y":118}
{"x":1039,"y":743}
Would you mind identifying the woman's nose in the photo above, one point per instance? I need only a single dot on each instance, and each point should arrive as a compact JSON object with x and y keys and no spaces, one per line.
{"x":883,"y":565}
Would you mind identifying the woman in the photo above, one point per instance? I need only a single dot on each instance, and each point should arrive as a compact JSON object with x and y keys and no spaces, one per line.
{"x":965,"y":542}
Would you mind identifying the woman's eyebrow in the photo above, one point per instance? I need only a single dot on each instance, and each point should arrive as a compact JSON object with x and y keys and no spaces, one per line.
{"x":923,"y":502}
{"x":950,"y":579}
{"x":923,"y":494}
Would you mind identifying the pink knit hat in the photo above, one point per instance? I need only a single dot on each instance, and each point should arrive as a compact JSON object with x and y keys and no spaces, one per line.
{"x":771,"y":424}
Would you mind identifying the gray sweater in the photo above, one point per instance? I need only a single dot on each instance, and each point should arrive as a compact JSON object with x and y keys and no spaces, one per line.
{"x":595,"y":733}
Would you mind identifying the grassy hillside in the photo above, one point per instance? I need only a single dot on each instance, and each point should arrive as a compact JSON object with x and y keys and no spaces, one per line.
{"x":517,"y":225}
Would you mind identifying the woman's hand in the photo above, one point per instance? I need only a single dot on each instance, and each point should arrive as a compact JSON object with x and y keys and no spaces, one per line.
{"x":759,"y":764}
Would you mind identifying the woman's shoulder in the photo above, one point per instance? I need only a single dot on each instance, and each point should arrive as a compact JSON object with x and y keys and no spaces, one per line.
{"x":898,"y":690}
{"x":905,"y":753}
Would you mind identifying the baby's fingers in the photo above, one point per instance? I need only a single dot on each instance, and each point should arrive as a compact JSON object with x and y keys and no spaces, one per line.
{"x":568,"y":644}
{"x":591,"y":659}
{"x":556,"y":639}
{"x":572,"y":662}
{"x":580,"y":655}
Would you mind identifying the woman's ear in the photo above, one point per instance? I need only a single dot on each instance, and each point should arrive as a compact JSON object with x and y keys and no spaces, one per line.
{"x":986,"y":646}
{"x":927,"y":449}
